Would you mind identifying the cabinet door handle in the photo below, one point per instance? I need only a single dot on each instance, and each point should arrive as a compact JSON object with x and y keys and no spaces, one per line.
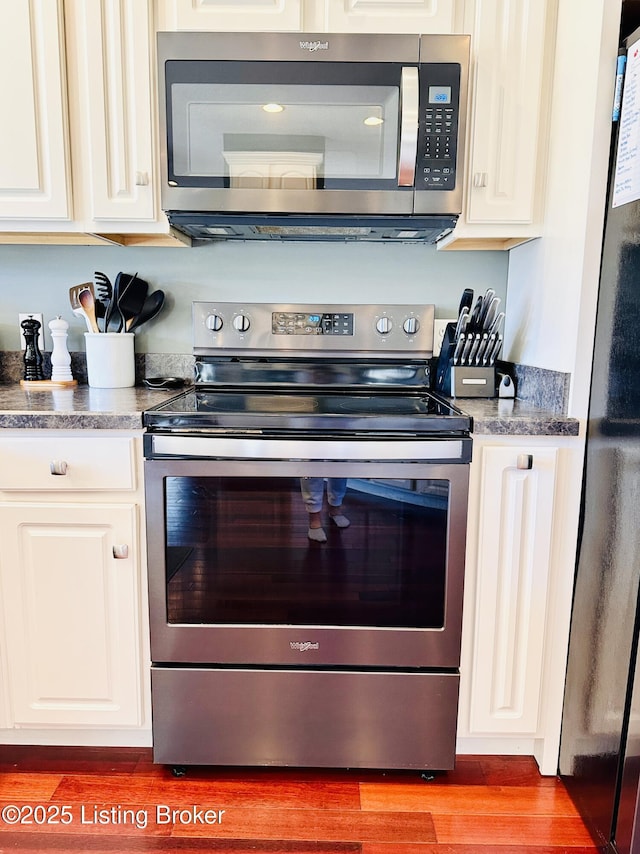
{"x":525,"y":461}
{"x":479,"y":179}
{"x":58,"y":467}
{"x":121,"y":552}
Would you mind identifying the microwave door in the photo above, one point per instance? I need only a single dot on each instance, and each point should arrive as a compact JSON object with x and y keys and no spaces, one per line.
{"x":409,"y":117}
{"x":341,"y":139}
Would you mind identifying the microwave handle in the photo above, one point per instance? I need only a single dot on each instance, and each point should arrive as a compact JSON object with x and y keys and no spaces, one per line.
{"x":409,"y":113}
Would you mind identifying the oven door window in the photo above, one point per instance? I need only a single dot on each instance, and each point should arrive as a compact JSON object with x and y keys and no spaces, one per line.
{"x":238,"y":552}
{"x":228,"y":126}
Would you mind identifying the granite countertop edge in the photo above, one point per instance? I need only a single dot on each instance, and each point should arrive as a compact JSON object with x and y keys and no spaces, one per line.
{"x":85,"y":408}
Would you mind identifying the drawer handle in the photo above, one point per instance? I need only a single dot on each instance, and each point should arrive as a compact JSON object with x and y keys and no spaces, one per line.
{"x":58,"y":467}
{"x":525,"y":461}
{"x":121,"y":552}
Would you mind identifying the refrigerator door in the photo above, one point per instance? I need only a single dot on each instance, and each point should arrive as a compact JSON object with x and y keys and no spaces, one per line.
{"x":597,"y":723}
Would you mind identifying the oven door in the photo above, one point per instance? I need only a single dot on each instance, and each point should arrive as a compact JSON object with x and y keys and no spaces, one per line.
{"x":235,"y":579}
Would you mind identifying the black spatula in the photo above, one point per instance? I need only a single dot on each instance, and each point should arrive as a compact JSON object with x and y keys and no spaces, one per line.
{"x":131,"y":300}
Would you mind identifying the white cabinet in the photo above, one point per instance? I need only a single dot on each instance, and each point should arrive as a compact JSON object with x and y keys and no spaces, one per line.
{"x":229,"y":16}
{"x":515,"y":525}
{"x":84,"y":102}
{"x":387,"y":16}
{"x":35,"y":180}
{"x":524,"y":495}
{"x":112,"y":103}
{"x":73,"y":616}
{"x":513,"y":43}
{"x":70,"y":601}
{"x":330,"y":16}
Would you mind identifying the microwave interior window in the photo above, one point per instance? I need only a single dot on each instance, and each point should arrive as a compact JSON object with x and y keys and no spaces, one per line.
{"x":238,"y":552}
{"x":284,"y":136}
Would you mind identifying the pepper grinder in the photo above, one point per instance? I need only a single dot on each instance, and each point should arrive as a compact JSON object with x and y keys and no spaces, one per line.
{"x":32,"y":355}
{"x":60,"y":358}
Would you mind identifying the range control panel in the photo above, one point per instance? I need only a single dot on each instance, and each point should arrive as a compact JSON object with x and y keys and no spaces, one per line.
{"x":266,"y":328}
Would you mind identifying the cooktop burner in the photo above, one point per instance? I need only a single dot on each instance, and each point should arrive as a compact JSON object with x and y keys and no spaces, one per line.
{"x":422,"y":412}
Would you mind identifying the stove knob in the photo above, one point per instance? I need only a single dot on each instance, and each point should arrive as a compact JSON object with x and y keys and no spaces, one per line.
{"x":214,"y":322}
{"x":241,"y":322}
{"x":383,"y":325}
{"x":411,"y":325}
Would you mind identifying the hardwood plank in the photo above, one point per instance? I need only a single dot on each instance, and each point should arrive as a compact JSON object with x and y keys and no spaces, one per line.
{"x":86,"y":819}
{"x":66,"y":760}
{"x":442,"y":798}
{"x":215,"y":793}
{"x":28,"y":787}
{"x":42,"y":843}
{"x":324,"y":825}
{"x":514,"y":771}
{"x":487,"y":848}
{"x":511,"y":830}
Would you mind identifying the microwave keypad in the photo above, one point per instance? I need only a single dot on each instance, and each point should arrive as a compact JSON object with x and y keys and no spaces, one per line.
{"x":438,"y":169}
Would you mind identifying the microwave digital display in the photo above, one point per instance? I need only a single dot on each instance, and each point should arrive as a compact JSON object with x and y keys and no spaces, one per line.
{"x":439,"y":94}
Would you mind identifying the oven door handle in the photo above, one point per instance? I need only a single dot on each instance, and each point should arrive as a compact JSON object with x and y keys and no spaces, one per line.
{"x":260,"y":448}
{"x":409,"y":113}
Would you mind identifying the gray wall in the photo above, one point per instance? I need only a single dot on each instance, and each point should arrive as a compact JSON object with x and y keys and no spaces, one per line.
{"x":37,"y":279}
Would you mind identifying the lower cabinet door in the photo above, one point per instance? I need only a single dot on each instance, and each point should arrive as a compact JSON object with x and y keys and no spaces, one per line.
{"x":70,"y":598}
{"x":514,"y":544}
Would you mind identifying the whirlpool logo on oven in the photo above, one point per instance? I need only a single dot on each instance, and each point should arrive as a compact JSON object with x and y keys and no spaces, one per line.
{"x":303,"y":646}
{"x":314,"y":46}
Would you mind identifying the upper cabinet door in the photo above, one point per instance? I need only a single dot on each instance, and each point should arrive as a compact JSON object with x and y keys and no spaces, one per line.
{"x":34,"y":151}
{"x":509,"y":101}
{"x":389,"y":16}
{"x":113,"y":108}
{"x":229,"y":16}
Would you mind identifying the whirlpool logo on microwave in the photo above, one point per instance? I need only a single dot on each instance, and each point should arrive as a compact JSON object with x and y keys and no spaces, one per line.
{"x":313,"y":46}
{"x":303,"y":646}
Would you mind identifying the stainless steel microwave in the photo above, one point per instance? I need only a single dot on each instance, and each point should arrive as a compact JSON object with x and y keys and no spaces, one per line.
{"x":302,"y":136}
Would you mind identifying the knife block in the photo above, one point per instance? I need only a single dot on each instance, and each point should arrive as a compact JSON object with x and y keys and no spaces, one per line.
{"x":445,"y":360}
{"x":469,"y":381}
{"x":461,"y":380}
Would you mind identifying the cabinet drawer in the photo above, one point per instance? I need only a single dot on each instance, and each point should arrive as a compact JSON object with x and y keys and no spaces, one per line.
{"x":81,"y":463}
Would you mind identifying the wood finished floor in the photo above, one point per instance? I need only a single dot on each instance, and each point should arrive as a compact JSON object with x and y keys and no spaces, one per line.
{"x":487,"y":804}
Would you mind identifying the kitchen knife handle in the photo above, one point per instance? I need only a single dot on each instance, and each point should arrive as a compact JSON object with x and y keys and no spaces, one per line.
{"x":459,"y":349}
{"x":467,"y":347}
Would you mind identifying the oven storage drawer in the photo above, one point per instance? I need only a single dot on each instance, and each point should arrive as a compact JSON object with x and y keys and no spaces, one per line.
{"x":311,"y":718}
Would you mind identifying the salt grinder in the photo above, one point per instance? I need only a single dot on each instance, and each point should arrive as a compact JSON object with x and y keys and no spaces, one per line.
{"x":60,"y":358}
{"x":32,"y":355}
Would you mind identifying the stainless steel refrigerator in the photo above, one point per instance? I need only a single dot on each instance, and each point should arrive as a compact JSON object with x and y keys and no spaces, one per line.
{"x":600,"y":744}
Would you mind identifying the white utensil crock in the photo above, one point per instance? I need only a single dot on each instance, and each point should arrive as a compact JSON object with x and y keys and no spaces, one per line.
{"x":110,"y":359}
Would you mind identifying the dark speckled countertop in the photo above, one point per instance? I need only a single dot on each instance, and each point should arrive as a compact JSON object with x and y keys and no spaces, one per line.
{"x":83,"y":407}
{"x":506,"y":417}
{"x":77,"y":408}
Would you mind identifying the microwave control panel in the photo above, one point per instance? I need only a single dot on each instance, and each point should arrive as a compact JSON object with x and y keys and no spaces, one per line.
{"x":438,"y":126}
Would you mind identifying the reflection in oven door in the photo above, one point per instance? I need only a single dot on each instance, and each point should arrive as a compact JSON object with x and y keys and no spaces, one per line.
{"x":261,"y":635}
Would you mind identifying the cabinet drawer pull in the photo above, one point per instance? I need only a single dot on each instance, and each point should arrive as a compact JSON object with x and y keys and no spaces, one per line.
{"x":525,"y":461}
{"x":58,"y":467}
{"x":121,"y":552}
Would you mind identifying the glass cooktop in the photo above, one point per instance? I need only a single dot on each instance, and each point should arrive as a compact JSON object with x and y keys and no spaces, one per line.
{"x":198,"y":409}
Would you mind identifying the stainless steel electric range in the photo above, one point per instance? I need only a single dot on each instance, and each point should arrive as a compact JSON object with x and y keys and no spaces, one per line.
{"x":306,"y":511}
